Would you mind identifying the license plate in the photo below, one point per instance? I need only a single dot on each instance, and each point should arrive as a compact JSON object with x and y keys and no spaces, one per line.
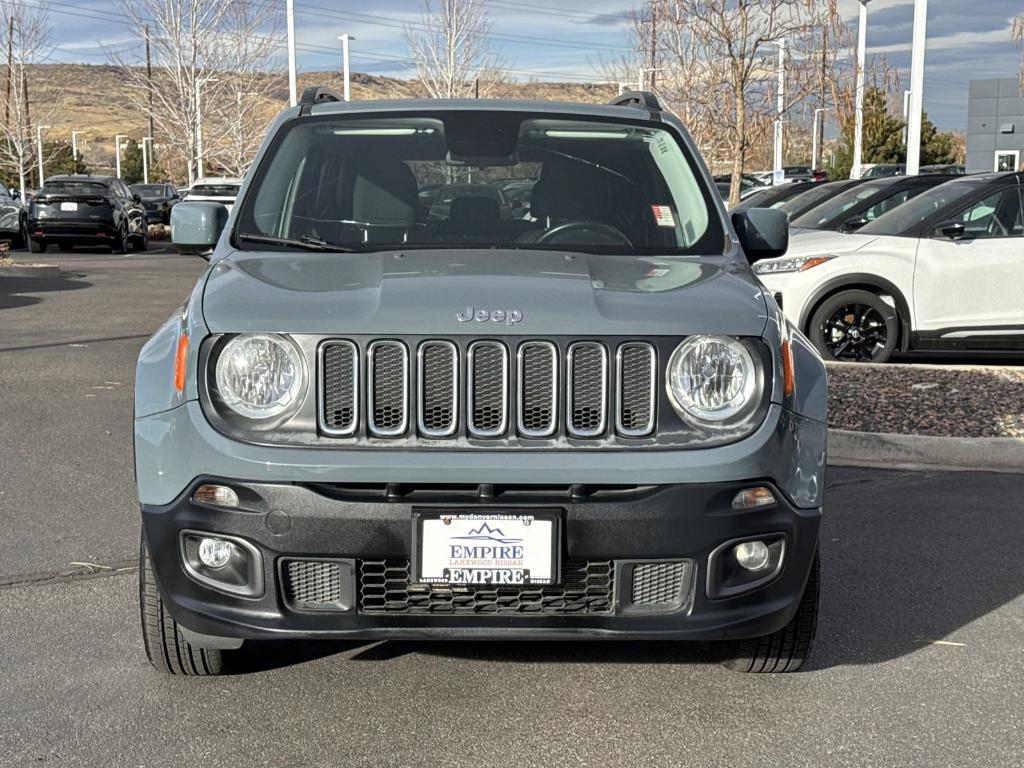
{"x":69,"y":206}
{"x":491,"y":549}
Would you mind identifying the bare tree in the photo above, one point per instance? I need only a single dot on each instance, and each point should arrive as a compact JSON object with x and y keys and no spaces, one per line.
{"x":24,"y":35}
{"x":450,"y":48}
{"x":237,"y":114}
{"x":192,"y":52}
{"x":1018,"y":35}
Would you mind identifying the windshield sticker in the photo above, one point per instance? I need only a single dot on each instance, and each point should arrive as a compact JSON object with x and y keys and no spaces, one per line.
{"x":663,"y":215}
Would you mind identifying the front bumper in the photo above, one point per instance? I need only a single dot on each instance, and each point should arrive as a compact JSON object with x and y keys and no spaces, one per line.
{"x":681,"y":522}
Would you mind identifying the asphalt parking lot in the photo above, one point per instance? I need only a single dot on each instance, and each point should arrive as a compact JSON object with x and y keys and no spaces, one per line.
{"x":918,"y":663}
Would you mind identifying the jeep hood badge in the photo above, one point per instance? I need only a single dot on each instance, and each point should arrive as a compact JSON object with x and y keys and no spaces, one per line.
{"x":507,"y":316}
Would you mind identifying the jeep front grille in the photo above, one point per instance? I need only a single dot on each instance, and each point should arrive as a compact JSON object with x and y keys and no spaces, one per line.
{"x":519,"y":391}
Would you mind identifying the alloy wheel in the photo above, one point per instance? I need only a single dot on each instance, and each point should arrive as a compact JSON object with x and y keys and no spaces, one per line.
{"x":855,"y":332}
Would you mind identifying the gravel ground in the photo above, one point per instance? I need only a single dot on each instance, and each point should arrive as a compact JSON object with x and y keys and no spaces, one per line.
{"x":927,"y":400}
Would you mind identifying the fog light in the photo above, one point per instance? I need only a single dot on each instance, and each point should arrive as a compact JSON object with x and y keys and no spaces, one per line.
{"x":215,"y":553}
{"x":220,"y":495}
{"x":752,"y":498}
{"x":752,"y":555}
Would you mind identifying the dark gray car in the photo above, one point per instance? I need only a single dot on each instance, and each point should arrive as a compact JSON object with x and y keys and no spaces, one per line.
{"x":589,"y":423}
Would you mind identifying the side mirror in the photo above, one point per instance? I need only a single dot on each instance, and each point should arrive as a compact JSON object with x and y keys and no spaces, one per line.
{"x":852,"y":225}
{"x":763,"y":232}
{"x":953,"y":230}
{"x":136,"y":197}
{"x":196,"y":227}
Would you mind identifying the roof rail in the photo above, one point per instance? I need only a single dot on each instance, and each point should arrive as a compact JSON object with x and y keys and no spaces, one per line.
{"x":644,"y":99}
{"x":316,"y":94}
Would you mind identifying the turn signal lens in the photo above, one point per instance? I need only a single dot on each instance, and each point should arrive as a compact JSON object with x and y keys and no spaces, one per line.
{"x":180,"y":358}
{"x":787,"y":368}
{"x":813,"y":262}
{"x":219,"y":495}
{"x":752,"y":498}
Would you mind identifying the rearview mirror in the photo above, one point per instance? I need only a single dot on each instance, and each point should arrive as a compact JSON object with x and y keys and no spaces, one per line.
{"x":196,"y":227}
{"x":852,"y":225}
{"x":952,"y":230}
{"x":763,"y":232}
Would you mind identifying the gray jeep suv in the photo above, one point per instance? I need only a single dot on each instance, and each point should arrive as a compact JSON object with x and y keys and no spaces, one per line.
{"x":585,"y":421}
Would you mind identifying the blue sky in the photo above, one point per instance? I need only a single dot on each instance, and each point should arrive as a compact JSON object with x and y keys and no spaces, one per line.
{"x":545,"y":40}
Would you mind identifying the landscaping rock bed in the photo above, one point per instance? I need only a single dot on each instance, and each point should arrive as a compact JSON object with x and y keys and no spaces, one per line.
{"x":927,"y":400}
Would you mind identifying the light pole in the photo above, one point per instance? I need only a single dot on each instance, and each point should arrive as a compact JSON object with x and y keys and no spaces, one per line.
{"x":916,"y":87}
{"x":345,"y":71}
{"x":858,"y":125}
{"x":117,"y":152}
{"x":145,"y":157}
{"x":74,"y":146}
{"x":39,"y":150}
{"x":292,"y":80}
{"x":200,"y":82}
{"x":814,"y":139}
{"x":780,"y":108}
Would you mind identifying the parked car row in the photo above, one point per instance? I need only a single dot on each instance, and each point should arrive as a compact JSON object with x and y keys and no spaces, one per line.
{"x":904,"y":263}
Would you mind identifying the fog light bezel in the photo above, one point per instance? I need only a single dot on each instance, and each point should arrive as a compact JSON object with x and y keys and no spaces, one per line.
{"x":727,"y":578}
{"x":223,"y":579}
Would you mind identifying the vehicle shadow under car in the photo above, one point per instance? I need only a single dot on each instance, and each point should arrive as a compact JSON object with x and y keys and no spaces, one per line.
{"x":908,"y":558}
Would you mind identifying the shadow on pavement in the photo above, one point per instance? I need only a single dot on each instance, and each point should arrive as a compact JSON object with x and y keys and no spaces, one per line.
{"x":908,"y":558}
{"x":19,"y":291}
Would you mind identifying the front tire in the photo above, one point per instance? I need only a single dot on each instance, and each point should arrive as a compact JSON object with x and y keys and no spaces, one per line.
{"x":787,"y":649}
{"x":142,"y":243}
{"x":120,"y":242}
{"x":37,"y":246}
{"x":166,"y":647}
{"x":855,"y":326}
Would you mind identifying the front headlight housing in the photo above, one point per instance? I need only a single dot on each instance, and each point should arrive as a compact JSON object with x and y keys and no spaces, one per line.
{"x":793,"y":264}
{"x":714,"y":381}
{"x":260,"y":375}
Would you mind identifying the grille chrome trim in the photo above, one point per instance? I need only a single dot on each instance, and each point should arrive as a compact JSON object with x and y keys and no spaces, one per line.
{"x":322,"y":383}
{"x":521,"y":389}
{"x":471,"y":426}
{"x":371,"y":421}
{"x":422,"y":394}
{"x":620,"y":387}
{"x":570,"y":387}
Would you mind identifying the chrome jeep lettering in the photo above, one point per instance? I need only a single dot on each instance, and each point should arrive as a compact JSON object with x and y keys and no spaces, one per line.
{"x":507,"y":316}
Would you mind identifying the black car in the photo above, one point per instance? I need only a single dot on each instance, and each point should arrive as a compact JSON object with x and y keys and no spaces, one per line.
{"x":157,"y":199}
{"x":87,"y":210}
{"x":772,"y":197}
{"x":13,"y":218}
{"x":812,"y":195}
{"x":863,"y":203}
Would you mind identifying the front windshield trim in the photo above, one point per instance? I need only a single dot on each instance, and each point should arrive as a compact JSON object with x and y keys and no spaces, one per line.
{"x":711,"y":240}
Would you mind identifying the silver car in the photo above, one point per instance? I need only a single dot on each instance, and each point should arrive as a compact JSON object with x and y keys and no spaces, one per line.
{"x":367,"y":422}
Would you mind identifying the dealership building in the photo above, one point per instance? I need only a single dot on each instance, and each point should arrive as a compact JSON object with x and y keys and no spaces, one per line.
{"x":995,"y":125}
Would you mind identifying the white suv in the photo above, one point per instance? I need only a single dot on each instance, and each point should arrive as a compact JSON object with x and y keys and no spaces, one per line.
{"x":942,"y":271}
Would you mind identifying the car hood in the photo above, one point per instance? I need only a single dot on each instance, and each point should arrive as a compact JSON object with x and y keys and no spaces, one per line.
{"x":516,"y":291}
{"x":816,"y":242}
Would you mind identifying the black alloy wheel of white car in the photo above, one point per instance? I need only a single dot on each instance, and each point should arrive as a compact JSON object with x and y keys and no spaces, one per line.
{"x":855,"y":326}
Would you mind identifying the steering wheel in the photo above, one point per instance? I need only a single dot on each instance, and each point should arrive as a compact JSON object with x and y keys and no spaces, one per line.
{"x":562,"y":234}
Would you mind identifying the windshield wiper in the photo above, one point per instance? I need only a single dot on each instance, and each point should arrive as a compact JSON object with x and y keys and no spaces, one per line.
{"x":305,"y":242}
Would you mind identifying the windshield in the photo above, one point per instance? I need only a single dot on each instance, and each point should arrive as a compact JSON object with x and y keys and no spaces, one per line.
{"x":830,"y":209}
{"x":150,"y":190}
{"x":73,"y":188}
{"x":435,"y":180}
{"x":811,"y":195}
{"x":904,"y":219}
{"x":214,"y":190}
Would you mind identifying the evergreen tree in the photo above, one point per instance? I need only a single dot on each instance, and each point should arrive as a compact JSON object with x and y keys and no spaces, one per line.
{"x":131,"y":162}
{"x":59,"y":159}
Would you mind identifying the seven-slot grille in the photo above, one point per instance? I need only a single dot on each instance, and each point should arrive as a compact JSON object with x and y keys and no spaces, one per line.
{"x":474,"y":389}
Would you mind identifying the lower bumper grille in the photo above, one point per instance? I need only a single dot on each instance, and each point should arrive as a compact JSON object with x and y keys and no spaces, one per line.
{"x":661,"y":586}
{"x":317,"y":585}
{"x":385,"y":587}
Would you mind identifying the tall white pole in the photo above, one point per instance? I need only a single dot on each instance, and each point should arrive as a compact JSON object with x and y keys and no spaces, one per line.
{"x":916,"y":88}
{"x":145,"y":159}
{"x":117,"y":152}
{"x":74,"y":145}
{"x":39,"y":150}
{"x":199,"y":132}
{"x":814,"y":139}
{"x":345,"y":70}
{"x":858,"y":126}
{"x":780,"y":106}
{"x":290,"y":21}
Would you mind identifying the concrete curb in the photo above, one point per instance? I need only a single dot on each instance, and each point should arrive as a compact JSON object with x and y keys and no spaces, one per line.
{"x":31,"y":270}
{"x":877,"y":449}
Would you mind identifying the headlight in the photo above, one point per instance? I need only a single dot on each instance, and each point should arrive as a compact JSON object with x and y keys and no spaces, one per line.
{"x":259,"y":375}
{"x":795,"y":264}
{"x":713,"y":379}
